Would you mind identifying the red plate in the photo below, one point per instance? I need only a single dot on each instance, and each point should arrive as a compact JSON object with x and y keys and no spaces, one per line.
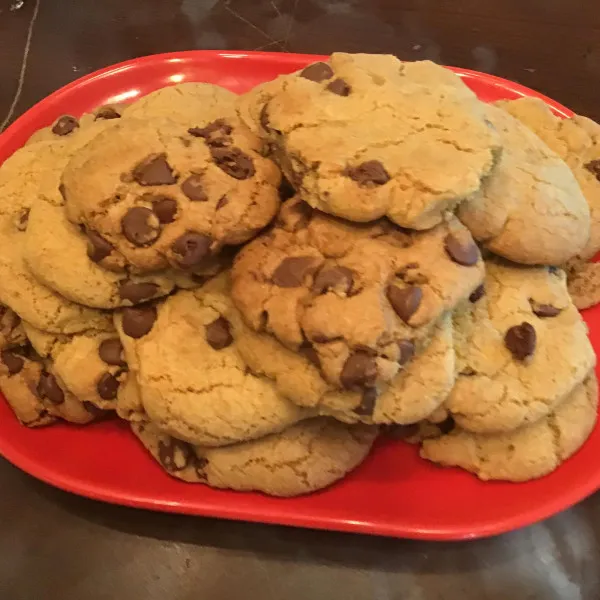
{"x":393,"y":493}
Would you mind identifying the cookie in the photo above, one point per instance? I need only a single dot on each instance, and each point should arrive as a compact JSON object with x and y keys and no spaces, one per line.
{"x":360,"y":137}
{"x":584,"y":285}
{"x":192,"y":382}
{"x":531,"y":209}
{"x":165,"y":194}
{"x":521,"y":347}
{"x":577,"y":141}
{"x":351,"y":293}
{"x":11,"y":329}
{"x":306,"y":457}
{"x":528,"y":452}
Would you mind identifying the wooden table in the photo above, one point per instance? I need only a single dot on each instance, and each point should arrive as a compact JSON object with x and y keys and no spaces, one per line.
{"x":54,"y":546}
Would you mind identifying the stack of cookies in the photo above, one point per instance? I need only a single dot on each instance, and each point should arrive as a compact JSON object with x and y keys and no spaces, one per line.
{"x":262,"y":284}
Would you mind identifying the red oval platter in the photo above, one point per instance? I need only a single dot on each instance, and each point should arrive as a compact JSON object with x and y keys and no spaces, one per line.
{"x":393,"y":493}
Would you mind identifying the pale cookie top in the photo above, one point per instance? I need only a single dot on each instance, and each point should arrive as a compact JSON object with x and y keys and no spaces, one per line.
{"x":528,"y":452}
{"x":304,"y":458}
{"x":192,"y":381}
{"x":577,"y":142}
{"x":530,"y":209}
{"x":165,"y":194}
{"x":521,"y":347}
{"x":342,"y":290}
{"x":363,"y":137}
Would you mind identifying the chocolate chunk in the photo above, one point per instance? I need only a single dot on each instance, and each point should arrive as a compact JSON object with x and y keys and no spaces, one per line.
{"x":521,"y":340}
{"x":49,"y":389}
{"x":107,"y":386}
{"x":193,"y":189}
{"x":154,"y":170}
{"x":22,"y":219}
{"x":338,"y":279}
{"x":477,"y":294}
{"x":65,"y":125}
{"x":367,"y":403}
{"x":111,"y":352}
{"x":140,"y":226}
{"x":447,"y":425}
{"x":318,"y":72}
{"x":137,"y":292}
{"x":594,"y":168}
{"x":543,"y":310}
{"x":214,"y":134}
{"x":106,"y":113}
{"x":174,"y":455}
{"x":368,"y":174}
{"x":406,"y":350}
{"x":339,"y":87}
{"x":462,"y":252}
{"x":191,"y":249}
{"x":97,"y":247}
{"x":13,"y":362}
{"x":292,"y":271}
{"x":286,"y":190}
{"x":138,"y":321}
{"x":164,"y":208}
{"x":404,"y":301}
{"x":223,"y":201}
{"x":308,"y":351}
{"x":359,"y":371}
{"x":234,"y":162}
{"x":218,"y":334}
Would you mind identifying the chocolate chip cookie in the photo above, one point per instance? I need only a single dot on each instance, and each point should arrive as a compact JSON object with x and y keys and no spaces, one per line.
{"x":584,"y":284}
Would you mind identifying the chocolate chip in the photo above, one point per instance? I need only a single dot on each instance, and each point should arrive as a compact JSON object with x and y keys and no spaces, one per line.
{"x":223,"y":201}
{"x":191,"y":249}
{"x":97,"y":248}
{"x":137,"y":292}
{"x":106,"y":113}
{"x":49,"y":389}
{"x":594,"y":168}
{"x":218,"y":334}
{"x":339,"y":87}
{"x":286,"y":190}
{"x":477,"y":294}
{"x":192,"y":187}
{"x":368,"y":173}
{"x":543,"y":310}
{"x":234,"y":162}
{"x":174,"y":455}
{"x":318,"y":72}
{"x":359,"y":371}
{"x":164,"y":208}
{"x":462,"y":252}
{"x":13,"y":362}
{"x":154,"y":170}
{"x":308,"y":351}
{"x":138,"y":321}
{"x":292,"y":271}
{"x":111,"y":352}
{"x":140,"y":226}
{"x":214,"y":134}
{"x":406,"y":350}
{"x":65,"y":125}
{"x":404,"y":301}
{"x":22,"y":219}
{"x":338,"y":279}
{"x":107,"y":386}
{"x":521,"y":340}
{"x":447,"y":425}
{"x":367,"y":403}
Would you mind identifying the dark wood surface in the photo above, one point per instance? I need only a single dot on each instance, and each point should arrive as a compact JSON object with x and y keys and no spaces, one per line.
{"x":56,"y":546}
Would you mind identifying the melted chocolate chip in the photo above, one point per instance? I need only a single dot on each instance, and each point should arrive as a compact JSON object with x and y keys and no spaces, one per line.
{"x":97,"y":247}
{"x":111,"y":352}
{"x":234,"y":162}
{"x":521,"y":340}
{"x":218,"y":334}
{"x":107,"y":386}
{"x":338,"y":279}
{"x":404,"y":301}
{"x":339,"y":87}
{"x":154,"y":170}
{"x":406,"y":350}
{"x":367,"y":403}
{"x":174,"y":455}
{"x":594,"y":168}
{"x":368,"y":174}
{"x":192,"y":187}
{"x":106,"y":113}
{"x":49,"y":389}
{"x":13,"y":362}
{"x":191,"y":249}
{"x":359,"y":371}
{"x":65,"y":125}
{"x":138,"y":321}
{"x":464,"y":253}
{"x":214,"y":134}
{"x":137,"y":292}
{"x":164,"y":208}
{"x":292,"y":271}
{"x":543,"y":310}
{"x":317,"y":72}
{"x":140,"y":226}
{"x":477,"y":294}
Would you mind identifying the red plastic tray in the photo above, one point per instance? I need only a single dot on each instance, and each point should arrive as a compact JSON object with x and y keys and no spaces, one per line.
{"x":393,"y":493}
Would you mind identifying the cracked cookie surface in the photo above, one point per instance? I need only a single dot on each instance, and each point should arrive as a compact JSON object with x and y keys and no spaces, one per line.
{"x":528,"y":452}
{"x":308,"y":456}
{"x":521,"y":347}
{"x":530,"y":209}
{"x":363,"y":137}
